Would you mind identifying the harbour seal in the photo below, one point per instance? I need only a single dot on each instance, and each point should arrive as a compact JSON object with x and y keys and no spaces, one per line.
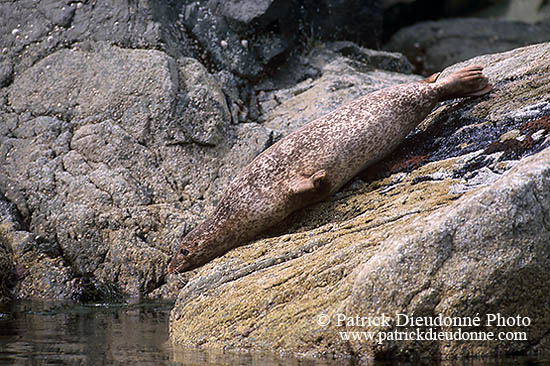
{"x":316,"y":160}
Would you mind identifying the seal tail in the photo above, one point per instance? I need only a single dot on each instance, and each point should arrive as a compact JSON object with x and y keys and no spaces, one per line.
{"x":466,"y":82}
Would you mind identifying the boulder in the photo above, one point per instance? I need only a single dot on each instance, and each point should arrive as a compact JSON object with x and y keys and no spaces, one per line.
{"x":258,"y":14}
{"x":223,"y":47}
{"x":99,"y":154}
{"x":455,"y":223}
{"x":434,"y":45}
{"x":447,"y":8}
{"x":250,"y":38}
{"x":530,"y":11}
{"x":359,"y":21}
{"x":400,"y":14}
{"x":347,"y":72}
{"x":327,"y":20}
{"x":33,"y":31}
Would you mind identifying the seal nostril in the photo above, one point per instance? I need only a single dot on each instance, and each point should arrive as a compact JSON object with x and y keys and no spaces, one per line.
{"x":184,"y":251}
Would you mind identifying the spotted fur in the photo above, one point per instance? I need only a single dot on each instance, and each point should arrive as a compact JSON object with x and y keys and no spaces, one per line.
{"x":336,"y":146}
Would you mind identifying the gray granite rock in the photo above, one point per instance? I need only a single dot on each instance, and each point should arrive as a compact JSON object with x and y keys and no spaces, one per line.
{"x":434,"y":45}
{"x":100,"y":156}
{"x":347,"y":72}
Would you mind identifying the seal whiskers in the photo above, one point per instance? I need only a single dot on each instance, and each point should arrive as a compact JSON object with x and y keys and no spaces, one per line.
{"x":316,"y":160}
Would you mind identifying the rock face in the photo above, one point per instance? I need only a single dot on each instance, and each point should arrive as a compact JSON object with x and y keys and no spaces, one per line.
{"x":31,"y":267}
{"x":106,"y":113}
{"x":121,"y":124}
{"x":250,"y":37}
{"x":98,"y":160}
{"x":6,"y":260}
{"x":459,"y":228}
{"x":32,"y":31}
{"x":99,"y":148}
{"x":434,"y":45}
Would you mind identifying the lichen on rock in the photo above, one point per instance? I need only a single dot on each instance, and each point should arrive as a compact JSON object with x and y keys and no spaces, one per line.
{"x":410,"y":242}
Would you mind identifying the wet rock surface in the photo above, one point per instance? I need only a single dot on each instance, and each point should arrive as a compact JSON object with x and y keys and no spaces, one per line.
{"x":453,"y":224}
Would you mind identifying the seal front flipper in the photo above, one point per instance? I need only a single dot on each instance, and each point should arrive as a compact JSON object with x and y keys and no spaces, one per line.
{"x":305,"y":184}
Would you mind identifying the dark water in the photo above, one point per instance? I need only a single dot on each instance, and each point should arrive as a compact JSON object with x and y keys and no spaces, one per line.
{"x":45,"y":333}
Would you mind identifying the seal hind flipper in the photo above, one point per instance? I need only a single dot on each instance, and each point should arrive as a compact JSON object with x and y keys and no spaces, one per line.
{"x":481,"y":92}
{"x":466,"y":82}
{"x":306,"y":184}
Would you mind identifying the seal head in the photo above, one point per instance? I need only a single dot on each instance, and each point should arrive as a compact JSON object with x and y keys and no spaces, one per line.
{"x":202,"y":244}
{"x":187,"y":257}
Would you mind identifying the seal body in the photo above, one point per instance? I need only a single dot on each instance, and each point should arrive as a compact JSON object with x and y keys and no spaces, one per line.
{"x":316,"y":160}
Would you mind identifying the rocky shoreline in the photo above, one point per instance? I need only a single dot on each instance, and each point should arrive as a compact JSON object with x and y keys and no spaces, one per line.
{"x":121,"y":124}
{"x":462,"y":235}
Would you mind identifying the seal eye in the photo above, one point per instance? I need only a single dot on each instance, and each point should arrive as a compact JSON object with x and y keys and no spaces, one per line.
{"x":184,"y":251}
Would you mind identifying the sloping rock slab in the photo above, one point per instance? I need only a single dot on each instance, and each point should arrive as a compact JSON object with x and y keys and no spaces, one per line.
{"x":403,"y":244}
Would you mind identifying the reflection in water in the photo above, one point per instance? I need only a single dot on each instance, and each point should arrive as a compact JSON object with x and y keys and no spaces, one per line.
{"x":46,"y":333}
{"x":67,"y":334}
